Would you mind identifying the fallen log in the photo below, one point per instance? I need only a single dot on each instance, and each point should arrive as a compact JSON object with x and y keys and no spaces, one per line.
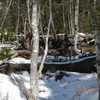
{"x":21,"y":53}
{"x":4,"y":60}
{"x":87,"y":36}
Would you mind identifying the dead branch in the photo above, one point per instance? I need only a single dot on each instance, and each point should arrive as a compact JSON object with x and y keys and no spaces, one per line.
{"x":6,"y":14}
{"x":86,"y":36}
{"x":24,"y":89}
{"x":8,"y":58}
{"x":22,"y":53}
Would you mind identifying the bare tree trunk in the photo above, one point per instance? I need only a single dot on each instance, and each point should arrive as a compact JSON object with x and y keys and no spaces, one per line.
{"x":46,"y":45}
{"x":75,"y":43}
{"x":54,"y":30}
{"x":76,"y":16}
{"x":17,"y":25}
{"x":95,"y":3}
{"x":28,"y":12}
{"x":34,"y":53}
{"x":52,"y":23}
{"x":83,"y":20}
{"x":64,"y":22}
{"x":76,"y":26}
{"x":32,"y":93}
{"x":71,"y":18}
{"x":37,"y":75}
{"x":24,"y":28}
{"x":6,"y":14}
{"x":97,"y":41}
{"x":69,"y":25}
{"x":40,"y":22}
{"x":40,"y":19}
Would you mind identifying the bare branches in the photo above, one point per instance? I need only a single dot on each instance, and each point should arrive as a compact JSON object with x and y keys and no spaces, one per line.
{"x":8,"y":58}
{"x":6,"y":14}
{"x":46,"y":45}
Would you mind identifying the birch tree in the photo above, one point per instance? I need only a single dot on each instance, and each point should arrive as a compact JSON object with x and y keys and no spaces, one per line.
{"x":76,"y":16}
{"x":76,"y":25}
{"x":97,"y":41}
{"x":34,"y":53}
{"x":71,"y":18}
{"x":33,"y":92}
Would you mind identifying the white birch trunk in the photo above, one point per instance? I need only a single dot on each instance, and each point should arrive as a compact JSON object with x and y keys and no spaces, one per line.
{"x":76,"y":16}
{"x":71,"y":18}
{"x":75,"y":43}
{"x":76,"y":26}
{"x":34,"y":53}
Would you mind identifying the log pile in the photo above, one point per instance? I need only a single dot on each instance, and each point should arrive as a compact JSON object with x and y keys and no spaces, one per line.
{"x":85,"y":43}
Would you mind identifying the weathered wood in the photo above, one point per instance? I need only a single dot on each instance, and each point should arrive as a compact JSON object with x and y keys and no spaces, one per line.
{"x":86,"y":36}
{"x":5,"y":69}
{"x":85,"y":66}
{"x":21,"y":53}
{"x":8,"y":58}
{"x":24,"y":89}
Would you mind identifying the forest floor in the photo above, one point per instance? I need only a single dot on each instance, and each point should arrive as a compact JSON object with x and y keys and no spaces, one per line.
{"x":54,"y":84}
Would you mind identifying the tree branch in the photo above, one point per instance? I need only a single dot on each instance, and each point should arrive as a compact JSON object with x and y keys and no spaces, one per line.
{"x":24,"y":89}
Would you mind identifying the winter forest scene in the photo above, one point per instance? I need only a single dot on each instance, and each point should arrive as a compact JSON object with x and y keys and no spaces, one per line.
{"x":49,"y":50}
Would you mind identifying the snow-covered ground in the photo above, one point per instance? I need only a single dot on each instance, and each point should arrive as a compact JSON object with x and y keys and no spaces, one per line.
{"x":72,"y":86}
{"x":55,"y":60}
{"x":4,"y":45}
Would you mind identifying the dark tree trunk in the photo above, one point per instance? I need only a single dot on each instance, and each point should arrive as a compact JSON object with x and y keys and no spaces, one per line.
{"x":97,"y":41}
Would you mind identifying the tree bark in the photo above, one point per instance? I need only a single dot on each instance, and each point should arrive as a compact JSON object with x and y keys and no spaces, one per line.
{"x":46,"y":45}
{"x":76,"y":26}
{"x":76,"y":16}
{"x":17,"y":25}
{"x":64,"y":21}
{"x":6,"y":14}
{"x":34,"y":53}
{"x":28,"y":14}
{"x":52,"y":23}
{"x":97,"y":41}
{"x":71,"y":19}
{"x":24,"y":89}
